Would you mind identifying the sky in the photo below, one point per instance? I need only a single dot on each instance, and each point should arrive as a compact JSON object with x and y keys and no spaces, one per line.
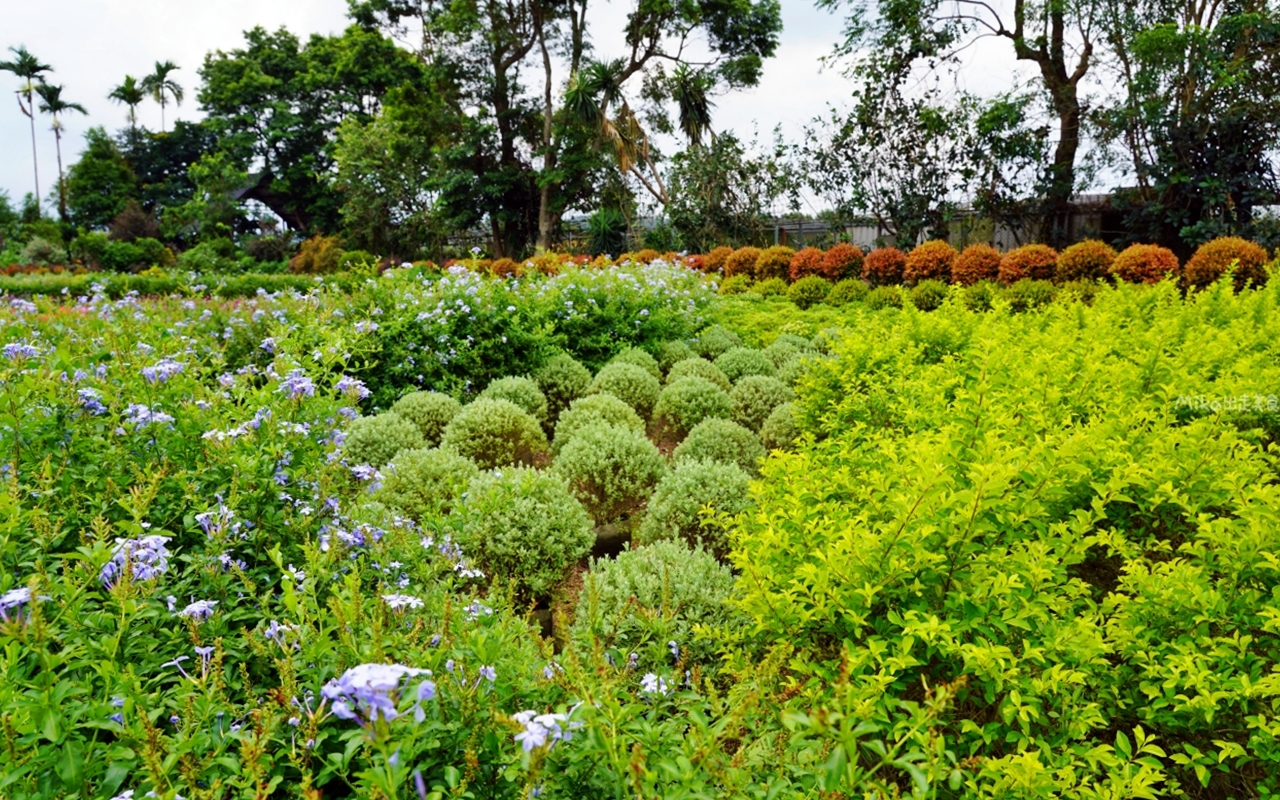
{"x":93,"y":44}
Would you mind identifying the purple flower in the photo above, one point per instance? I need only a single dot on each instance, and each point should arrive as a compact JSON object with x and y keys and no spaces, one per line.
{"x":675,"y":649}
{"x":269,"y":344}
{"x":477,"y":610}
{"x":296,"y":385}
{"x":145,"y":558}
{"x":397,"y":602}
{"x":488,"y":673}
{"x":141,"y":416}
{"x":205,"y":653}
{"x":369,"y":691}
{"x":18,"y":351}
{"x":91,"y":401}
{"x":198,"y":611}
{"x":13,"y":603}
{"x":651,"y":684}
{"x":162,"y":370}
{"x":349,"y":385}
{"x":539,"y":729}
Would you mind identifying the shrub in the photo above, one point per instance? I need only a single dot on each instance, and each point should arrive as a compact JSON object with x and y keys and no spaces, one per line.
{"x":808,"y":292}
{"x":1083,"y":291}
{"x":772,"y":287}
{"x":977,"y":262}
{"x":668,"y":353}
{"x":610,"y":469}
{"x":742,"y":261}
{"x":981,"y":295}
{"x":742,"y":361}
{"x":842,"y":262}
{"x":319,"y":255}
{"x":774,"y":262}
{"x":847,"y":291}
{"x":714,"y":341}
{"x":932,"y":260}
{"x":754,"y":399}
{"x":687,"y":401}
{"x":780,"y":431}
{"x":928,"y":295}
{"x":423,"y":483}
{"x":721,"y":440}
{"x":646,"y":256}
{"x":526,"y":527}
{"x":1034,"y":261}
{"x":736,"y":284}
{"x":675,"y":510}
{"x":801,"y":343}
{"x":884,"y":266}
{"x":807,"y":261}
{"x":212,"y":256}
{"x":633,"y":385}
{"x":791,"y":372}
{"x":1026,"y":295}
{"x":269,"y":248}
{"x":562,"y":380}
{"x":699,"y":368}
{"x":1085,"y":261}
{"x":44,"y":252}
{"x":782,"y":351}
{"x":591,"y":409}
{"x":524,"y":392}
{"x":884,"y":297}
{"x":505,"y":268}
{"x":496,"y":433}
{"x":650,"y":596}
{"x":376,"y":440}
{"x":1212,"y":260}
{"x":641,"y":358}
{"x":715,"y":260}
{"x":431,"y":412}
{"x":1144,"y":263}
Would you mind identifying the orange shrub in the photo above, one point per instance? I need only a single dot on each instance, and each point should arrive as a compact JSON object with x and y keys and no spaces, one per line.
{"x":505,"y":268}
{"x":646,"y":255}
{"x":1212,"y":259}
{"x":696,"y":262}
{"x":601,"y":261}
{"x":807,"y":261}
{"x":318,"y":255}
{"x":842,"y":261}
{"x":977,"y":262}
{"x":883,"y":266}
{"x":1085,"y":261}
{"x":1144,"y":263}
{"x":741,"y":261}
{"x":775,"y":262}
{"x":1035,"y":261}
{"x":714,"y":261}
{"x":932,"y":260}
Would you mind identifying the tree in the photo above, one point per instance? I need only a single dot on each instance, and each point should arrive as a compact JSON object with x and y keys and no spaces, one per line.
{"x":51,"y":103}
{"x":101,"y":184}
{"x":722,"y":194}
{"x":130,"y":93}
{"x":161,"y":87}
{"x":31,"y":71}
{"x":162,"y":163}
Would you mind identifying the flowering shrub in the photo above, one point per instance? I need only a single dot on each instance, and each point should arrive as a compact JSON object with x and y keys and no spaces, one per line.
{"x":774,"y":262}
{"x":842,"y":262}
{"x":634,"y":385}
{"x":611,"y":469}
{"x":685,"y":402}
{"x":884,"y":266}
{"x":496,"y":433}
{"x":721,"y":440}
{"x":742,"y":361}
{"x":933,"y":260}
{"x":807,"y":261}
{"x":562,"y":380}
{"x":1088,"y":260}
{"x":641,"y":358}
{"x":755,"y":397}
{"x":1213,"y":258}
{"x":524,"y":392}
{"x":1144,"y":263}
{"x":849,"y":290}
{"x":741,"y":262}
{"x":431,"y":412}
{"x":808,"y":292}
{"x":676,"y":508}
{"x":376,"y":440}
{"x":1034,"y":261}
{"x":780,"y":430}
{"x":975,"y":263}
{"x":419,"y":483}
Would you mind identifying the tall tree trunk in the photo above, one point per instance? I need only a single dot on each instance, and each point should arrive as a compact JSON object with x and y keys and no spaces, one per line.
{"x":30,"y":111}
{"x":62,"y":182}
{"x":545,"y":221}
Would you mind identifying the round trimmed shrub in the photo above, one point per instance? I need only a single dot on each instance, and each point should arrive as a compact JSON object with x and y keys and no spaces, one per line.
{"x":773,"y":287}
{"x":807,"y":261}
{"x":496,"y":433}
{"x":884,"y":266}
{"x":641,"y":358}
{"x":633,"y":385}
{"x":524,"y":392}
{"x":562,"y":380}
{"x":721,"y":440}
{"x":742,"y":361}
{"x":849,"y":290}
{"x":652,"y":595}
{"x":842,"y":261}
{"x":808,"y":292}
{"x":429,"y":411}
{"x":1144,"y":263}
{"x":524,"y":526}
{"x":798,"y":342}
{"x":591,"y":409}
{"x":782,"y":352}
{"x":977,"y":262}
{"x":675,"y":508}
{"x":1026,"y":295}
{"x":715,"y":260}
{"x":791,"y":372}
{"x":610,"y":469}
{"x":376,"y":440}
{"x":671,"y":352}
{"x":754,"y":399}
{"x":714,"y":341}
{"x":884,"y":297}
{"x":646,"y":256}
{"x":928,"y":295}
{"x":687,"y":401}
{"x":981,"y":295}
{"x":741,"y":261}
{"x":1085,"y":261}
{"x":698,"y":368}
{"x":931,"y":261}
{"x":736,"y":284}
{"x":423,"y":482}
{"x":1034,"y":261}
{"x":1212,"y":260}
{"x":774,"y":262}
{"x":780,"y":430}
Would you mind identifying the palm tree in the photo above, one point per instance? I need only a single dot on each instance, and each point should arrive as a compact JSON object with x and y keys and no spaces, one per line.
{"x":160,"y":86}
{"x":31,"y":71}
{"x":131,"y":94}
{"x":51,"y":103}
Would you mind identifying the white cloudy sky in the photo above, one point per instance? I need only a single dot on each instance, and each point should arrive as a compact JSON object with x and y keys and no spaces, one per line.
{"x":92,"y":44}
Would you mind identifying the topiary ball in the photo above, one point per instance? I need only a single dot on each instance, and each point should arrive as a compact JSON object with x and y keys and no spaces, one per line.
{"x":849,"y":290}
{"x":1028,"y":294}
{"x":724,"y":441}
{"x":736,"y":284}
{"x":376,"y":440}
{"x":842,"y":262}
{"x":884,"y":297}
{"x":668,"y":353}
{"x":782,"y":351}
{"x":687,"y":401}
{"x":807,"y":261}
{"x":610,"y":469}
{"x":675,"y":510}
{"x":424,"y":482}
{"x":774,"y":262}
{"x":594,"y":408}
{"x":1088,"y":260}
{"x":928,"y":295}
{"x":931,"y":261}
{"x":429,"y":411}
{"x":754,"y":399}
{"x":977,"y":262}
{"x":562,"y":380}
{"x":801,"y":343}
{"x":741,"y":261}
{"x":650,"y":596}
{"x":742,"y":361}
{"x":714,"y":341}
{"x":1212,"y":260}
{"x":808,"y":292}
{"x":791,"y":372}
{"x":496,"y":433}
{"x":642,"y":359}
{"x":780,"y":431}
{"x":883,"y":266}
{"x":715,"y":260}
{"x":633,"y":385}
{"x":526,"y":527}
{"x":773,"y":287}
{"x":1031,"y":261}
{"x":698,"y":368}
{"x":1144,"y":263}
{"x":524,"y":392}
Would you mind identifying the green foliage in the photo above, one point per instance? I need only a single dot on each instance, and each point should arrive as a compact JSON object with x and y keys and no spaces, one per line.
{"x":687,"y":401}
{"x":44,"y":252}
{"x":376,"y":440}
{"x":1026,"y":295}
{"x":698,"y":367}
{"x":634,"y":385}
{"x":780,"y":431}
{"x":754,"y":399}
{"x":641,"y":358}
{"x":423,"y":483}
{"x":724,"y":441}
{"x":591,"y":409}
{"x":771,"y":287}
{"x":100,"y":184}
{"x":668,"y":353}
{"x":739,"y":362}
{"x":884,"y":297}
{"x":737,"y":284}
{"x":562,"y":380}
{"x":495,"y":433}
{"x":524,"y":392}
{"x":319,"y":255}
{"x":611,"y":469}
{"x":431,"y":412}
{"x":783,"y":351}
{"x":849,"y":290}
{"x":809,"y":291}
{"x":928,"y":294}
{"x":685,"y":504}
{"x":714,"y":341}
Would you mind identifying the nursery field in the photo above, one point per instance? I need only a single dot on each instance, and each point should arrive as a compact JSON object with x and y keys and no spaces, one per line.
{"x":617,"y":533}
